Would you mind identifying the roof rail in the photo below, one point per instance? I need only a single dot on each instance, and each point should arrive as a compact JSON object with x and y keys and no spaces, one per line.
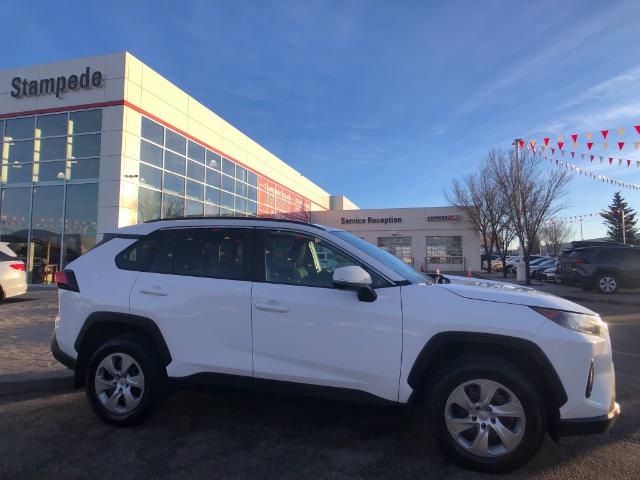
{"x":226,"y":217}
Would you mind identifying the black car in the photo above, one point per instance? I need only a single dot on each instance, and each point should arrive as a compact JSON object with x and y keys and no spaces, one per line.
{"x":604,"y":268}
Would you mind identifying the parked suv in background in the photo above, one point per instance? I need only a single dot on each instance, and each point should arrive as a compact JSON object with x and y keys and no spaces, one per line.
{"x":13,"y":278}
{"x":249,"y":302}
{"x":604,"y":268}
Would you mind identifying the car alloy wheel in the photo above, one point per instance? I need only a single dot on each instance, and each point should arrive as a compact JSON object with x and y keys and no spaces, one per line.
{"x":119,"y":383}
{"x":607,"y":284}
{"x":485,"y":418}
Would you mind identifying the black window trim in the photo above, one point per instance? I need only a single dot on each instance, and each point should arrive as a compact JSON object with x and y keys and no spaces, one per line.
{"x":258,"y":248}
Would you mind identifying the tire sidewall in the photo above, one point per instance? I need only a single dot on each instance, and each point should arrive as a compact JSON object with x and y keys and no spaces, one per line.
{"x":528,"y":397}
{"x":600,"y":277}
{"x":155,"y":384}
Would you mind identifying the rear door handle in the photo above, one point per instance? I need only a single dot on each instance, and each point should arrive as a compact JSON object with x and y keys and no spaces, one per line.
{"x":272,"y":307}
{"x":154,"y":291}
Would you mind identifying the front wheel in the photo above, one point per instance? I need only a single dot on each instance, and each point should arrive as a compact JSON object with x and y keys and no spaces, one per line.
{"x":486,"y":415}
{"x":124,"y":382}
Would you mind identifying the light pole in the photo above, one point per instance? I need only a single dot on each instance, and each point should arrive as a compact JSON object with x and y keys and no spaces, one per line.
{"x":521,"y":268}
{"x":624,"y":233}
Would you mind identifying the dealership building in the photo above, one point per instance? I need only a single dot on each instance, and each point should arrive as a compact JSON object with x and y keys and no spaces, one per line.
{"x":97,"y":143}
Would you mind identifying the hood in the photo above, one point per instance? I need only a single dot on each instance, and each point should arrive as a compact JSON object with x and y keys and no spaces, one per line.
{"x":494,"y":291}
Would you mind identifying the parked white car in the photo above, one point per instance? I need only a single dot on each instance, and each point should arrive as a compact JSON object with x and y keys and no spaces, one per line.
{"x":247,"y":302}
{"x":13,"y":278}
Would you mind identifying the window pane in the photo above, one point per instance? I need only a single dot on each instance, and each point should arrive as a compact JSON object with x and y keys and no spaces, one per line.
{"x":228,"y":183}
{"x":295,"y":259}
{"x":252,"y":208}
{"x":15,"y":204}
{"x":241,"y":204}
{"x":213,"y":160}
{"x":194,"y":209}
{"x":49,"y":171}
{"x":53,"y":148}
{"x":252,"y":194}
{"x":80,"y":220}
{"x":174,"y":162}
{"x":148,"y":204}
{"x":85,"y":146}
{"x":195,"y":171}
{"x":228,"y":167}
{"x":226,"y":200}
{"x":138,"y":256}
{"x":84,"y":169}
{"x":241,"y":173}
{"x":399,"y":247}
{"x":46,"y":233}
{"x":211,"y":210}
{"x":172,"y":206}
{"x":212,"y":195}
{"x":210,"y":253}
{"x":175,"y":142}
{"x":152,"y":131}
{"x":444,"y":249}
{"x":17,"y":128}
{"x":241,"y":188}
{"x":20,"y":152}
{"x":196,"y":152}
{"x":150,"y":176}
{"x":195,"y":190}
{"x":86,"y":121}
{"x":150,"y":153}
{"x":19,"y":173}
{"x":213,"y":178}
{"x":51,"y":125}
{"x":173,"y":183}
{"x":226,"y":212}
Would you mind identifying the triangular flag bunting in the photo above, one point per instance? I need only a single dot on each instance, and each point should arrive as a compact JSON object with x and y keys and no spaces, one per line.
{"x":619,"y":161}
{"x":637,"y":127}
{"x":590,"y":144}
{"x":546,"y":142}
{"x":638,"y":163}
{"x":610,"y":160}
{"x":553,"y":151}
{"x":601,"y":158}
{"x":574,"y":137}
{"x":560,"y":145}
{"x":573,"y":154}
{"x":621,"y":132}
{"x":605,"y":145}
{"x":636,"y":145}
{"x":582,"y":156}
{"x":589,"y":135}
{"x":592,"y":156}
{"x":620,"y":145}
{"x":604,"y":133}
{"x":628,"y":163}
{"x":521,"y":143}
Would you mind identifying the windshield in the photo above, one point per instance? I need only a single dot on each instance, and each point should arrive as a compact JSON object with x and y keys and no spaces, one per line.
{"x":383,"y":257}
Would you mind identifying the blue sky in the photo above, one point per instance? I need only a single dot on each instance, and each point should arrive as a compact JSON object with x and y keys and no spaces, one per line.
{"x":382,"y":101}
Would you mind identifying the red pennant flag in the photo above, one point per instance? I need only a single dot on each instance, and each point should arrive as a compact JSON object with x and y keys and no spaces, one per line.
{"x":592,"y":157}
{"x":574,"y":137}
{"x":521,"y":143}
{"x":560,"y":145}
{"x":589,"y":145}
{"x":628,"y":163}
{"x":637,"y":127}
{"x":546,"y":141}
{"x":610,"y":160}
{"x":553,"y":151}
{"x":604,"y":133}
{"x":620,"y":145}
{"x":573,"y":154}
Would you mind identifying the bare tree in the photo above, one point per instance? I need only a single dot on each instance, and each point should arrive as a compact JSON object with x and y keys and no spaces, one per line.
{"x":470,"y":196}
{"x":533,"y":195}
{"x":554,"y":235}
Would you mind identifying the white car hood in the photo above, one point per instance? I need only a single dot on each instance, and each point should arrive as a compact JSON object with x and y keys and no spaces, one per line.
{"x":493,"y":291}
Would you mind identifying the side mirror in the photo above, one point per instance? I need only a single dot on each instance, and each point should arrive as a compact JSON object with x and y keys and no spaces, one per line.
{"x":355,"y":278}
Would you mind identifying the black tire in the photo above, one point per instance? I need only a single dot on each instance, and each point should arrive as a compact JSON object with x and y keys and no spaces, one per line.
{"x":470,"y":368}
{"x":154,"y":375}
{"x":606,"y":283}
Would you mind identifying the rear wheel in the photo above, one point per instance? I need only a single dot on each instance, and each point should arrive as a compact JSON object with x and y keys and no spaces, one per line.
{"x":486,"y":415}
{"x":607,"y":283}
{"x":124,"y":382}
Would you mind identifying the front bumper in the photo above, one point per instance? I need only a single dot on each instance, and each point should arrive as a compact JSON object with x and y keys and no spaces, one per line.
{"x":586,"y":426}
{"x":67,"y":360}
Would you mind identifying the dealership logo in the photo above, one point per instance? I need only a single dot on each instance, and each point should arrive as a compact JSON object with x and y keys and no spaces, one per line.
{"x":23,"y":87}
{"x":443,"y":218}
{"x":385,"y":220}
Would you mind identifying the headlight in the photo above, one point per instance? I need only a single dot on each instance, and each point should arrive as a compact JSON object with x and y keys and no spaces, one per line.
{"x":589,"y":324}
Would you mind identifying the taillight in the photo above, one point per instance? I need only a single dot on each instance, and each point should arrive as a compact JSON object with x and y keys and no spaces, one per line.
{"x":17,"y":266}
{"x":66,"y":280}
{"x":578,"y":261}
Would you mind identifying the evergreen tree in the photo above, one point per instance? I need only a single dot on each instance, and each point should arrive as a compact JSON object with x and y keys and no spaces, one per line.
{"x":613,"y":220}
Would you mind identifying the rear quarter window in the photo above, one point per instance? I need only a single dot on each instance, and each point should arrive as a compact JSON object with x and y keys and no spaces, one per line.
{"x":140,"y":254}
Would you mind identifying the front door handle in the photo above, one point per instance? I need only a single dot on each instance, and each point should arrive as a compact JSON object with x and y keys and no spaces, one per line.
{"x":272,"y":307}
{"x":154,"y":291}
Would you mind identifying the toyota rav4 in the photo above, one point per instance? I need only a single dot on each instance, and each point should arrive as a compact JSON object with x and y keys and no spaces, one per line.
{"x":266,"y":303}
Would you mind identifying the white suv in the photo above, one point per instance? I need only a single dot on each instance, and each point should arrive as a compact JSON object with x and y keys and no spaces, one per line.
{"x":248,"y":302}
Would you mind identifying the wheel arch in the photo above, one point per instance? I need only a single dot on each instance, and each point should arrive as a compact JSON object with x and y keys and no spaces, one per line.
{"x":102,"y":326}
{"x":526,"y":355}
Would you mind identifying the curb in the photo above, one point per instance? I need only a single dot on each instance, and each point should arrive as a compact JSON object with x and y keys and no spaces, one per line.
{"x":45,"y":383}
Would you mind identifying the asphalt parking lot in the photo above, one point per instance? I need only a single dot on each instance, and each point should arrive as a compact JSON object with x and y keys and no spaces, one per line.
{"x":56,"y":435}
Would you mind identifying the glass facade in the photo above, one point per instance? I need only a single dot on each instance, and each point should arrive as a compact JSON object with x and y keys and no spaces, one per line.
{"x":444,"y":249}
{"x":180,"y":178}
{"x":399,"y":247}
{"x":49,"y":188}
